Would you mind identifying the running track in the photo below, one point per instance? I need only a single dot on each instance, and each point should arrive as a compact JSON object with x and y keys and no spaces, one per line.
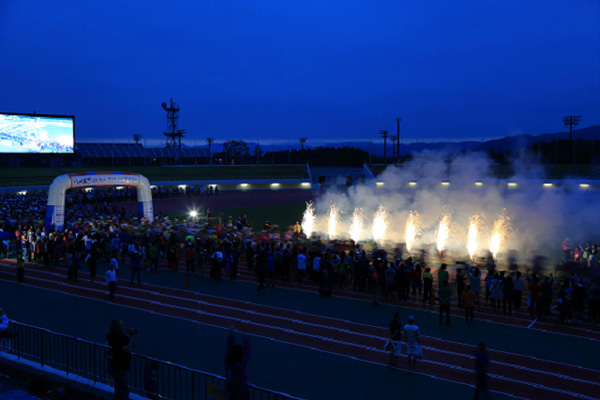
{"x":512,"y":374}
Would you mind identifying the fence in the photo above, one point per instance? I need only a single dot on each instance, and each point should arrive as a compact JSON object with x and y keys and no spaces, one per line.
{"x":89,"y":360}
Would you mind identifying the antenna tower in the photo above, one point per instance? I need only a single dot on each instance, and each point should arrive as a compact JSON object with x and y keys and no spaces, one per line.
{"x":173,"y":134}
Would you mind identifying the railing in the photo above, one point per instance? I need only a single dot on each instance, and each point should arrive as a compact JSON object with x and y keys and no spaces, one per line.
{"x":89,"y":360}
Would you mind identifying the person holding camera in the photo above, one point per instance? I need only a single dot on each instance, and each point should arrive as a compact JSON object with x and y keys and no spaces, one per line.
{"x":121,"y":344}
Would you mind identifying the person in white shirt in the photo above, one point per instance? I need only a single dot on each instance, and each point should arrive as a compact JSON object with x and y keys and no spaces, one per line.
{"x":316,"y":266}
{"x":111,"y":280}
{"x":412,"y":335}
{"x":301,"y":266}
{"x":113,"y":261}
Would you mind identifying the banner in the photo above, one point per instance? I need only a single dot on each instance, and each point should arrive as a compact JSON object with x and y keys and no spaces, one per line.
{"x":78,"y":181}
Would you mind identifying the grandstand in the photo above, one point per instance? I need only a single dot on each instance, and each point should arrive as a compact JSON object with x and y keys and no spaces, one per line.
{"x":126,"y":154}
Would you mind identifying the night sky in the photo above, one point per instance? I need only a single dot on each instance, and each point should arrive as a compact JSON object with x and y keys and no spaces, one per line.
{"x":324,"y":70}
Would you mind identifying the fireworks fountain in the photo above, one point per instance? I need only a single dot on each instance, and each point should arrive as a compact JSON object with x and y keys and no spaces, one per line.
{"x":476,"y":225}
{"x":334,"y":217}
{"x":380,"y":224}
{"x":443,"y":232}
{"x":501,"y":232}
{"x":308,"y":219}
{"x":357,"y":225}
{"x":413,"y":229}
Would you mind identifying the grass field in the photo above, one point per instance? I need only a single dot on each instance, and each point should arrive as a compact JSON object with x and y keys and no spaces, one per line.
{"x":282,"y":215}
{"x":44,"y":176}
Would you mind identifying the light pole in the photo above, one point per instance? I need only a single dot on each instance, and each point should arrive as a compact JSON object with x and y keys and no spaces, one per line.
{"x":571,"y":121}
{"x":210,"y":141}
{"x":398,"y":120}
{"x":385,"y":135}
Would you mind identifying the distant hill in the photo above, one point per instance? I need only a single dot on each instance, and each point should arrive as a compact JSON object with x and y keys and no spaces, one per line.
{"x":503,"y":144}
{"x":519,"y":141}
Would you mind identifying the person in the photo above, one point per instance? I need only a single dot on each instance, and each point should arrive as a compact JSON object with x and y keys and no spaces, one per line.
{"x":135,"y":263}
{"x":412,"y":336}
{"x":260,"y":269}
{"x":535,"y":289}
{"x":508,"y":297}
{"x":578,"y":297}
{"x":460,"y":285}
{"x":474,"y":275}
{"x":518,"y":286}
{"x":482,"y":362}
{"x":445,"y":296}
{"x":468,"y":301}
{"x":217,"y":264}
{"x":236,"y":360}
{"x":301,"y":266}
{"x":90,"y":260}
{"x":111,"y":281}
{"x":395,"y":340}
{"x":151,"y":378}
{"x":443,"y":275}
{"x":496,"y":293}
{"x":390,"y":281}
{"x":190,"y":259}
{"x":121,"y":344}
{"x":427,"y":286}
{"x":115,"y":263}
{"x":546,"y":295}
{"x":153,"y":253}
{"x":5,"y":335}
{"x":20,"y":268}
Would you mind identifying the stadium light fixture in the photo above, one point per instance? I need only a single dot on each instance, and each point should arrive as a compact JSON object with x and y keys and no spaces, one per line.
{"x":22,"y":192}
{"x":412,"y":183}
{"x":380,"y":183}
{"x":119,"y":187}
{"x":244,"y":185}
{"x":478,"y":183}
{"x":548,"y":185}
{"x":275,"y":184}
{"x":512,"y":184}
{"x":584,"y":185}
{"x":445,"y":183}
{"x":305,"y":184}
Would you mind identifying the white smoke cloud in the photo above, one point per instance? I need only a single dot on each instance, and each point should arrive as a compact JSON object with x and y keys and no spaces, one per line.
{"x":540,"y":217}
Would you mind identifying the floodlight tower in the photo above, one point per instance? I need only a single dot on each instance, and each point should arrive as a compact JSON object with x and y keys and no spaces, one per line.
{"x":173,"y":134}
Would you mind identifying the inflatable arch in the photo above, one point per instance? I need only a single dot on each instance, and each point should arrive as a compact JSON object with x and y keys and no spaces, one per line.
{"x":55,"y":211}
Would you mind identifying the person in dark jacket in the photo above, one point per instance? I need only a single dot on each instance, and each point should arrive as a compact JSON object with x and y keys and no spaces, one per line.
{"x":121,"y":344}
{"x":236,"y":360}
{"x":482,"y":362}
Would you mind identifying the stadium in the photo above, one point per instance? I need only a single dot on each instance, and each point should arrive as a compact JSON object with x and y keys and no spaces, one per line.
{"x":302,"y":272}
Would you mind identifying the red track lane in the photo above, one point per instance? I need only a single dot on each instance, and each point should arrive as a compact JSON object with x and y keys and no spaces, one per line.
{"x":513,"y":374}
{"x":520,"y":319}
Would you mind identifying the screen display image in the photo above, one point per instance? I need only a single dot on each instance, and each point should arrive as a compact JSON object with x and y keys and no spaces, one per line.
{"x":20,"y":133}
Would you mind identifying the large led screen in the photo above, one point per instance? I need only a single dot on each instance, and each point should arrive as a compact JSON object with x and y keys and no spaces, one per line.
{"x":30,"y":133}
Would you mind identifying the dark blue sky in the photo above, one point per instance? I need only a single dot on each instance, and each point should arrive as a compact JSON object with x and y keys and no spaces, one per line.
{"x":325,"y":70}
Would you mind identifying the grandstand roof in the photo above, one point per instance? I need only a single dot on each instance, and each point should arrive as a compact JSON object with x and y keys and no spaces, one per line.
{"x":131,"y":150}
